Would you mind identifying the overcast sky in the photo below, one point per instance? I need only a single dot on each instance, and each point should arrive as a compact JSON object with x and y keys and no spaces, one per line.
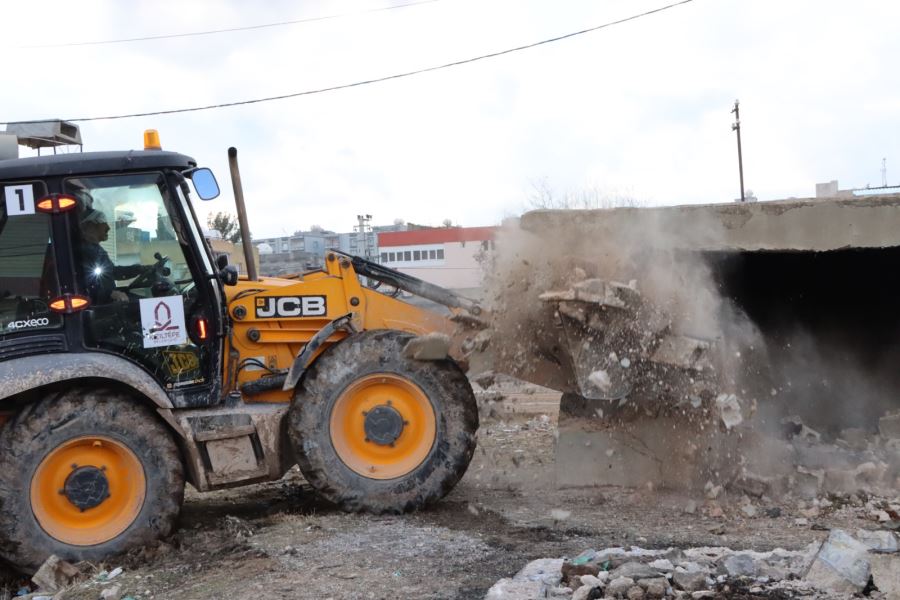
{"x":639,"y":109}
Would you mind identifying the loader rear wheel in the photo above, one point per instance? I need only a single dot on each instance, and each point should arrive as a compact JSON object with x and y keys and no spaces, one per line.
{"x":376,"y":431}
{"x":85,"y":475}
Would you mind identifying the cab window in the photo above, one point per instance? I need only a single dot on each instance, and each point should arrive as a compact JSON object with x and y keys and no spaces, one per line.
{"x":28,"y":279}
{"x":131,"y":264}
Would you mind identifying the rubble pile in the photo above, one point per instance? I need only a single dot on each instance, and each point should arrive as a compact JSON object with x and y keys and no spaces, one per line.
{"x":865,"y":563}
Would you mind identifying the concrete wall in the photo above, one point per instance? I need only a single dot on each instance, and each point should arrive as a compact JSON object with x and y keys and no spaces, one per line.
{"x":805,"y":224}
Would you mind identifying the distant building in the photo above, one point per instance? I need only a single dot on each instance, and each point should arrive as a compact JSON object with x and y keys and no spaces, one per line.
{"x":234,"y":252}
{"x":831,"y":189}
{"x":446,"y":256}
{"x":302,"y":251}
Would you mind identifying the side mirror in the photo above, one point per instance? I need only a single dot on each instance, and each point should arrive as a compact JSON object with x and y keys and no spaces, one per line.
{"x":221,"y":261}
{"x":229,"y":275}
{"x":205,"y":183}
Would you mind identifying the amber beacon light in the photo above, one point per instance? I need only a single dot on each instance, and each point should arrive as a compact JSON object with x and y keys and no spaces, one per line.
{"x":151,"y":140}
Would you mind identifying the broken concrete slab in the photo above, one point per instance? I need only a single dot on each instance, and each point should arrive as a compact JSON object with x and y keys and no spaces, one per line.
{"x":842,"y":564}
{"x":878,"y":541}
{"x":54,"y":574}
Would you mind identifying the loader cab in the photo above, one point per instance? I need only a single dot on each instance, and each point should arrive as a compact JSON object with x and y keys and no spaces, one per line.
{"x":102,"y":252}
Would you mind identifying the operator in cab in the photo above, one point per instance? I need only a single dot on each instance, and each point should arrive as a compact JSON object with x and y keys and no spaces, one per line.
{"x":100,"y":274}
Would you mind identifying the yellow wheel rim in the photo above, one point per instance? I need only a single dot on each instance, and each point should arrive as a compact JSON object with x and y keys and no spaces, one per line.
{"x":70,"y":499}
{"x":402,"y":441}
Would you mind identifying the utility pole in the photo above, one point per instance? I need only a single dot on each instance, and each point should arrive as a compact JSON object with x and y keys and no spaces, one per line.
{"x":736,"y":126}
{"x":363,"y":238}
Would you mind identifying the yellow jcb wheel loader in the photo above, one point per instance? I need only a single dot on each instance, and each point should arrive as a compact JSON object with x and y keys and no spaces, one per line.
{"x":133,"y":360}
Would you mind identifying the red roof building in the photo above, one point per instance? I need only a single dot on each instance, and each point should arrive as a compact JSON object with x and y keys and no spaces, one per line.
{"x":446,"y":256}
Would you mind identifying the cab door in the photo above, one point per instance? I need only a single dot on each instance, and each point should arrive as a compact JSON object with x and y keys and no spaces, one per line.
{"x":28,"y":275}
{"x":151,"y":293}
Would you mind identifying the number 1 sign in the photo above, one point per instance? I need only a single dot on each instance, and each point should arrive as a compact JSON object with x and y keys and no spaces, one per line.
{"x":19,"y":200}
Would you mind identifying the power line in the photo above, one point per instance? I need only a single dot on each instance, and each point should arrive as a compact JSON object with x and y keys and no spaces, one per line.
{"x":217,"y":31}
{"x":367,"y":81}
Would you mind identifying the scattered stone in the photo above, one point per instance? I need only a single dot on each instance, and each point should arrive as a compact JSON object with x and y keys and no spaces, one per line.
{"x":691,"y":507}
{"x":619,"y":586}
{"x":634,"y":570}
{"x":690,"y":581}
{"x":663,"y":565}
{"x":507,"y":589}
{"x":711,"y":490}
{"x":113,"y":592}
{"x":598,"y":580}
{"x":729,"y":410}
{"x":749,"y":510}
{"x":545,"y":570}
{"x":801,"y":522}
{"x":655,"y":587}
{"x":600,"y":379}
{"x":878,"y":541}
{"x":54,"y":574}
{"x":583,"y":593}
{"x":741,"y":565}
{"x":841,"y":566}
{"x":635,"y":593}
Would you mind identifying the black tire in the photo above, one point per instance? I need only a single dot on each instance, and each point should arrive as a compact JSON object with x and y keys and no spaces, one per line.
{"x":375,"y":352}
{"x":44,"y":426}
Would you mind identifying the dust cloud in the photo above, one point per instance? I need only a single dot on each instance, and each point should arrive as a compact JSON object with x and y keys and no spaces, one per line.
{"x":757,"y":401}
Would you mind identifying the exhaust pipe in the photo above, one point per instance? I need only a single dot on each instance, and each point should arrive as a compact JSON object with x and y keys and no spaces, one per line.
{"x":246,"y":242}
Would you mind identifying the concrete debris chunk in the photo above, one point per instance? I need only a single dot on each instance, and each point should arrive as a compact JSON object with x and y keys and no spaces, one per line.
{"x":54,"y":574}
{"x":663,"y":565}
{"x":619,"y":586}
{"x":729,"y":410}
{"x":683,"y":352}
{"x":431,"y":346}
{"x":655,"y":587}
{"x":741,"y":565}
{"x":111,"y":593}
{"x":507,"y":589}
{"x":690,"y":581}
{"x":634,"y":570}
{"x":842,"y":565}
{"x":878,"y":541}
{"x":600,"y":379}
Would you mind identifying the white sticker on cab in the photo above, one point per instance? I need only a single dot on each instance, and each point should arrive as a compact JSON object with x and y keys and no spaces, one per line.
{"x":162,"y":321}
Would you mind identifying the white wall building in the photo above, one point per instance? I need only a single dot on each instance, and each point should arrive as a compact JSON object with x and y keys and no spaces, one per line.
{"x":446,"y":256}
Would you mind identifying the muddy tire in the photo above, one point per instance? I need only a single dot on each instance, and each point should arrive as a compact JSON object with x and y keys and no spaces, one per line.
{"x":375,"y":431}
{"x":85,"y":475}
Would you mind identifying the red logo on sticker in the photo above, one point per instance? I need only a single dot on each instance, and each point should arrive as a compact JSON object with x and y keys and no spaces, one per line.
{"x":160,"y":312}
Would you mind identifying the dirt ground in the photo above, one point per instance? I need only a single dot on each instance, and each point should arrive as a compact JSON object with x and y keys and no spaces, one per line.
{"x":279,"y":541}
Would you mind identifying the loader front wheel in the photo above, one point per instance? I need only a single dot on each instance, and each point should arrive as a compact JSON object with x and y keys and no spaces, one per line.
{"x":85,"y":475}
{"x":376,"y":431}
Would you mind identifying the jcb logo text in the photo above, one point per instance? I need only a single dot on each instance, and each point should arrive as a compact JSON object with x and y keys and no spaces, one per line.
{"x":290,"y":306}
